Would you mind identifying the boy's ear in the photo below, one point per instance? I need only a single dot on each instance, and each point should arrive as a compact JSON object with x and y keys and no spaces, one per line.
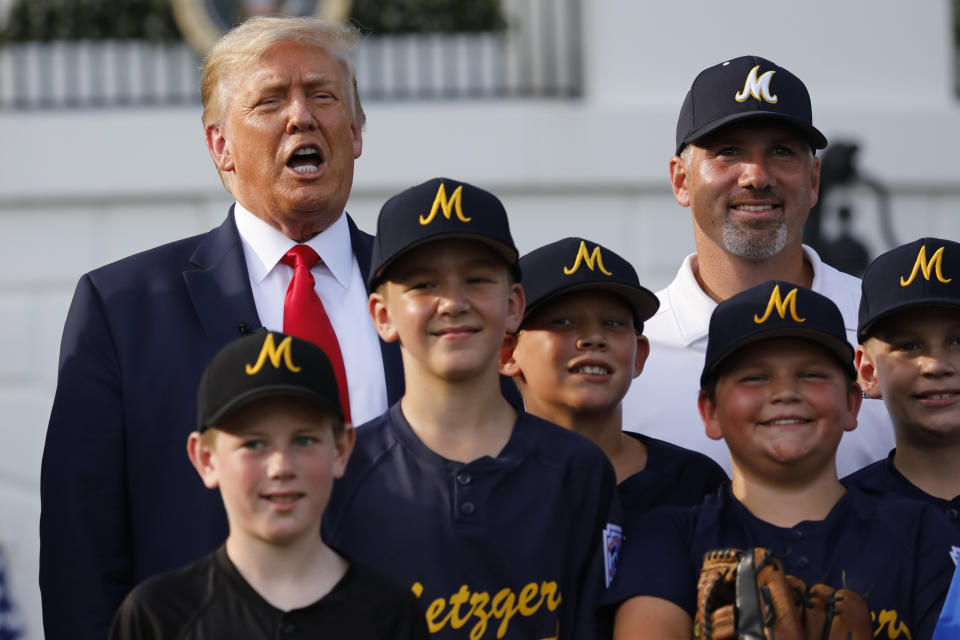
{"x":515,"y":307}
{"x":381,"y":317}
{"x":708,"y":413}
{"x":854,"y":400}
{"x":344,"y":447}
{"x":201,"y":455}
{"x":508,"y":363}
{"x":643,"y":351}
{"x":867,"y":373}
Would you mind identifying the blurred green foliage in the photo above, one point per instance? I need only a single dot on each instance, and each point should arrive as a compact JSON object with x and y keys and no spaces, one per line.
{"x":152,"y":20}
{"x":90,"y":20}
{"x":427,"y":16}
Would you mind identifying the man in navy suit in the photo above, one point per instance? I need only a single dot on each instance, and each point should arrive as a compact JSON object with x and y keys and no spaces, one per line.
{"x":119,"y":499}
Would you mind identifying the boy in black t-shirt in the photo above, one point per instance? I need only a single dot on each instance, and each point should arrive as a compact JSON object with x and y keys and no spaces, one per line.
{"x":272,"y":438}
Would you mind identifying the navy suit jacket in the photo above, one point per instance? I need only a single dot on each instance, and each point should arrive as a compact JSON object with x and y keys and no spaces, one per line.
{"x":120,"y":500}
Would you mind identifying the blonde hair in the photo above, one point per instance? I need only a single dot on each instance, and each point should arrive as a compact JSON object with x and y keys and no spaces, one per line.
{"x":246,"y":43}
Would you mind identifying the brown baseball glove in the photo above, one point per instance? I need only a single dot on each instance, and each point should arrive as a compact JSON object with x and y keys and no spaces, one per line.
{"x":746,"y":595}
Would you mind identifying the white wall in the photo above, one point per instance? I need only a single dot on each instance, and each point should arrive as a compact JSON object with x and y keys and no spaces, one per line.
{"x":84,"y":188}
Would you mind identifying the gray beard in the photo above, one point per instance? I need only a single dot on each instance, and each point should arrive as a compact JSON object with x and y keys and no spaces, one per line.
{"x":752,"y":243}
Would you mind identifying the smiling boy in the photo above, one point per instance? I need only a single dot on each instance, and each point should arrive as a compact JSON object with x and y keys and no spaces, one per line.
{"x":910,"y":356}
{"x":493,"y":517}
{"x":778,"y":386}
{"x":272,"y":438}
{"x":579,"y":347}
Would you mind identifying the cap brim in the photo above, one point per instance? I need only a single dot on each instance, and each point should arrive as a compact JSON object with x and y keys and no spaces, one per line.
{"x":863,"y":332}
{"x":841,"y":349}
{"x":509,"y":254}
{"x":643,"y":302}
{"x":812,"y":135}
{"x":247,"y":397}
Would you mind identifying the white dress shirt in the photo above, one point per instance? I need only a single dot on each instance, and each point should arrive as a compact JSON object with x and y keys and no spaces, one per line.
{"x":341,"y":288}
{"x":662,"y":402}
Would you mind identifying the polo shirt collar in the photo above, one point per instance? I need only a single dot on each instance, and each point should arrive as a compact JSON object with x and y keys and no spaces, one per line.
{"x":692,"y":307}
{"x":267,"y":245}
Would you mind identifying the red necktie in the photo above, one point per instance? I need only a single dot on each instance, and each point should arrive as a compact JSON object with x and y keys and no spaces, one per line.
{"x":304,"y":316}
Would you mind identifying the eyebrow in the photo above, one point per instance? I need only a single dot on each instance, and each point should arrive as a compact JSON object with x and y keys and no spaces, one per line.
{"x":273,"y":82}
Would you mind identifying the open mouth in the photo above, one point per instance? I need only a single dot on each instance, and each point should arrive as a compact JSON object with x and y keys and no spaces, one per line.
{"x":755,"y":208}
{"x":591,"y":370}
{"x":936,"y":395}
{"x":306,"y":160}
{"x":780,"y":422}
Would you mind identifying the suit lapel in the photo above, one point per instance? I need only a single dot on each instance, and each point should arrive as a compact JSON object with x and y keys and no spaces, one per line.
{"x":392,"y":361}
{"x":219,"y":286}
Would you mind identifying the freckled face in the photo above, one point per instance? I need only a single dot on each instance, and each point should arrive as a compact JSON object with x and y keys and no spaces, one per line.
{"x":274,"y":461}
{"x":913,"y":362}
{"x":578,"y":353}
{"x":288,"y":142}
{"x":783,"y":401}
{"x":450,"y":303}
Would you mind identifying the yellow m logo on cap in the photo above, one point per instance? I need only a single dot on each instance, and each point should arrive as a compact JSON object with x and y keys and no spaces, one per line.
{"x":441,"y":203}
{"x":759,"y":88}
{"x":781,"y":305}
{"x":922,"y":265}
{"x":592,"y":260}
{"x":276,"y":355}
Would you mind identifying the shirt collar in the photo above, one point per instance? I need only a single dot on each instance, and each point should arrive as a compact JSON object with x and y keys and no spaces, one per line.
{"x":692,"y":307}
{"x":266,"y":245}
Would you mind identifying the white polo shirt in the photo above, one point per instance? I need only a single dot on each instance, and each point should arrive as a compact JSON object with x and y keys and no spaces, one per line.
{"x":342,"y":290}
{"x":662,"y":402}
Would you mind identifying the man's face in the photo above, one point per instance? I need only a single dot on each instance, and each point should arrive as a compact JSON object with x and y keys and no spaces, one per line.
{"x":912,"y":361}
{"x":782,"y":405}
{"x":577,"y":356}
{"x":288,"y":140}
{"x":750,"y":187}
{"x":450,"y":303}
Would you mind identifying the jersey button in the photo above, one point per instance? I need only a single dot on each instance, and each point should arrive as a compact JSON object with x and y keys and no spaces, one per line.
{"x":802,"y":561}
{"x":952,"y":513}
{"x":288,"y":628}
{"x":796,"y":534}
{"x":464,"y":478}
{"x":467,"y":508}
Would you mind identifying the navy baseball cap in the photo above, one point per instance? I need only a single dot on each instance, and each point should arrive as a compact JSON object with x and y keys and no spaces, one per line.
{"x":925,"y":272}
{"x":575,"y":264}
{"x":265,"y":363}
{"x":745,"y":87}
{"x":775,"y":309}
{"x":440,"y":209}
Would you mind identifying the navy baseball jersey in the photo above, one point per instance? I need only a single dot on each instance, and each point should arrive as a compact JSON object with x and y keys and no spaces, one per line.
{"x":514,"y":546}
{"x":882,"y":477}
{"x":673,"y":476}
{"x":894,"y":552}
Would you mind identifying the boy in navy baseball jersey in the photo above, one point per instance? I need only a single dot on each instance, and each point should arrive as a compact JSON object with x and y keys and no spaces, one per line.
{"x":778,"y":385}
{"x":579,"y":347}
{"x":909,"y":355}
{"x":272,"y":438}
{"x":495,"y":519}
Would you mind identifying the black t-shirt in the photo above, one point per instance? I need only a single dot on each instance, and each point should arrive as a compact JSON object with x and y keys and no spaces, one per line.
{"x":209,"y":600}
